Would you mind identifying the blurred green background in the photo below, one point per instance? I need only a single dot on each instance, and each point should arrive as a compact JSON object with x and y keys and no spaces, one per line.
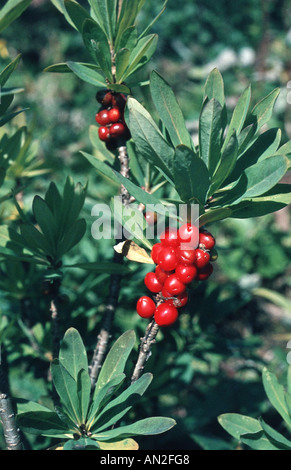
{"x":211,"y":361}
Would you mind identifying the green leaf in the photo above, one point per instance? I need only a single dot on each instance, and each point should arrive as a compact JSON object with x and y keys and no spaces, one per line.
{"x":84,"y":443}
{"x":34,"y":240}
{"x":149,"y":27}
{"x":190,"y":175}
{"x":276,"y":394}
{"x":45,"y":423}
{"x":116,"y":358}
{"x":104,"y":393}
{"x":169,"y":110}
{"x":72,"y":355}
{"x":126,"y":19}
{"x":214,"y":87}
{"x":102,"y":166}
{"x":237,"y":425}
{"x":107,"y":10}
{"x":239,"y":116}
{"x":66,"y":388}
{"x":263,"y":110}
{"x":121,"y":62}
{"x":127,"y":40}
{"x":63,"y":67}
{"x":210,"y":128}
{"x":71,"y":238}
{"x":144,"y":427}
{"x":46,"y":222}
{"x":213,"y":215}
{"x":104,"y":268}
{"x":77,"y":13}
{"x":226,"y":164}
{"x":275,"y":437}
{"x":97,"y":44}
{"x":8,"y":70}
{"x":87,"y":74}
{"x":84,"y":393}
{"x":118,"y":407}
{"x":148,"y":139}
{"x":255,"y":208}
{"x":141,"y":54}
{"x":12,"y":10}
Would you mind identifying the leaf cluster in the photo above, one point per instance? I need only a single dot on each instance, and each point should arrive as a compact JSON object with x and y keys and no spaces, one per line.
{"x":85,"y":417}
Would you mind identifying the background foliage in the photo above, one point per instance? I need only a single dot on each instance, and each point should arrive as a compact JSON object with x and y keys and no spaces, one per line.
{"x":211,"y":362}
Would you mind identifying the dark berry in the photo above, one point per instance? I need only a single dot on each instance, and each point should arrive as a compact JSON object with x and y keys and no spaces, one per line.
{"x":117,"y":130}
{"x":102,"y":117}
{"x":204,"y":273}
{"x":103,"y":133}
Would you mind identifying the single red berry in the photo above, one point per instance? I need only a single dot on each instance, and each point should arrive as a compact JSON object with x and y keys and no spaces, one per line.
{"x":145,"y":307}
{"x":114,"y":114}
{"x":179,"y":301}
{"x":186,"y":274}
{"x":102,"y":117}
{"x":173,"y":285}
{"x":205,"y":272}
{"x":117,"y":130}
{"x":151,"y":217}
{"x":166,"y":314}
{"x":157,"y":247}
{"x":202,"y":258}
{"x":166,"y":294}
{"x":167,"y":259}
{"x":161,"y":274}
{"x":188,"y":236}
{"x":185,"y":256}
{"x":169,"y":237}
{"x":103,"y":133}
{"x":152,"y":283}
{"x":104,"y":97}
{"x":207,"y":240}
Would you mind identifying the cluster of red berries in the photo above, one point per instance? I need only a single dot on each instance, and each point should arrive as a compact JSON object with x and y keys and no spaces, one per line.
{"x":182,"y":256}
{"x":110,"y":118}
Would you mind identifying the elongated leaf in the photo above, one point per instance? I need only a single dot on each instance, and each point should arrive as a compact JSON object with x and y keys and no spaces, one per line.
{"x":191,"y":176}
{"x":262,"y":176}
{"x":121,"y":62}
{"x":102,"y":394}
{"x":141,"y":54}
{"x":210,"y":134}
{"x":239,"y":116}
{"x":127,"y":40}
{"x":34,"y":240}
{"x":144,"y":427}
{"x":149,"y":27}
{"x":66,"y":388}
{"x":169,"y":110}
{"x":63,"y":67}
{"x":276,"y":394}
{"x":87,"y":74}
{"x":262,"y":111}
{"x":8,"y":70}
{"x":125,"y":444}
{"x":46,"y":221}
{"x":77,"y":13}
{"x":118,"y":407}
{"x":107,"y":10}
{"x":97,"y":44}
{"x":84,"y":392}
{"x":72,"y":354}
{"x":275,"y":436}
{"x":103,"y":167}
{"x":116,"y":359}
{"x":213,"y":215}
{"x":255,"y":208}
{"x":12,"y":10}
{"x":71,"y":238}
{"x":45,"y":423}
{"x":214,"y":87}
{"x":226,"y":165}
{"x":126,"y":19}
{"x":149,"y":140}
{"x":237,"y":425}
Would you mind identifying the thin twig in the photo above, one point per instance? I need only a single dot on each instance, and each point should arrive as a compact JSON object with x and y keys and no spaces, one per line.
{"x":55,"y":328}
{"x":145,"y":349}
{"x":105,"y":332}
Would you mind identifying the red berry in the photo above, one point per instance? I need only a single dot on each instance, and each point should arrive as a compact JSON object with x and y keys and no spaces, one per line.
{"x":152,"y":283}
{"x":206,"y":239}
{"x":117,"y":130}
{"x":119,"y":100}
{"x":114,"y":114}
{"x":166,"y":314}
{"x":173,"y":285}
{"x":166,"y":294}
{"x":103,"y":133}
{"x":188,"y":236}
{"x":185,"y":256}
{"x":145,"y":307}
{"x":167,"y":259}
{"x":151,"y":217}
{"x":169,"y":237}
{"x":104,"y":97}
{"x":202,"y":258}
{"x":179,"y":301}
{"x":186,"y":274}
{"x":205,"y":272}
{"x":161,"y":274}
{"x":157,"y":247}
{"x":102,"y":117}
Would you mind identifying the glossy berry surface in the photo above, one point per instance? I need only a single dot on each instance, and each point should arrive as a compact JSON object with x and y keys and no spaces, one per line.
{"x":114,"y":115}
{"x":166,"y":314}
{"x":102,"y":117}
{"x":186,"y":274}
{"x":152,"y":283}
{"x":169,"y":237}
{"x":103,"y":133}
{"x":145,"y":307}
{"x":202,"y":258}
{"x":173,"y":285}
{"x":117,"y":130}
{"x":167,"y":259}
{"x":185,"y":256}
{"x":161,"y":274}
{"x":157,"y":247}
{"x":188,"y":236}
{"x":207,"y":240}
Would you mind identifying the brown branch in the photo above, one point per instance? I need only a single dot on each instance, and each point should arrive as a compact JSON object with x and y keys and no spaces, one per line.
{"x":105,"y":332}
{"x":7,"y":417}
{"x":145,"y":349}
